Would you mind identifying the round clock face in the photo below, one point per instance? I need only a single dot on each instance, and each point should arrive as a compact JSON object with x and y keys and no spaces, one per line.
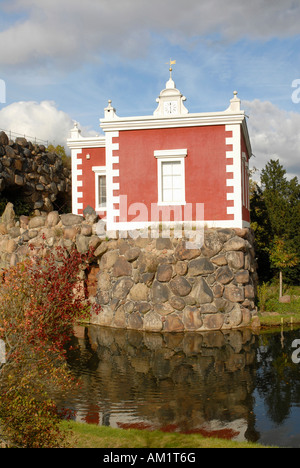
{"x":170,"y":107}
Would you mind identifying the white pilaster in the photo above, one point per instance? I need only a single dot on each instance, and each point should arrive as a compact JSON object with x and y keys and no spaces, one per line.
{"x":111,"y":175}
{"x":236,"y":169}
{"x":76,"y":205}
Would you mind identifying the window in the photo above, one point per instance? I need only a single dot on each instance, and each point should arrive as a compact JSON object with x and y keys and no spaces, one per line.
{"x":171,"y":181}
{"x":171,"y":176}
{"x":100,"y":188}
{"x":101,"y":191}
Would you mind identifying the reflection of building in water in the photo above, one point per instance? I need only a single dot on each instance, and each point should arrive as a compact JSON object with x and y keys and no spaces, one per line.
{"x":200,"y":382}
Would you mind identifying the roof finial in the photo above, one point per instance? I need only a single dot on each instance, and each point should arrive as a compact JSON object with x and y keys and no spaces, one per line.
{"x":170,"y":83}
{"x":170,"y":63}
{"x":109,"y":111}
{"x":75,"y":131}
{"x":235,"y":103}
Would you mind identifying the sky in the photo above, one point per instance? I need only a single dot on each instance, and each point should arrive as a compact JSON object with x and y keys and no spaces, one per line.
{"x":62,"y":60}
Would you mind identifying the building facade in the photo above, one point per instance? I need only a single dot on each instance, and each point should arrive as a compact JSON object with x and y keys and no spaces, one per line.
{"x":172,"y":166}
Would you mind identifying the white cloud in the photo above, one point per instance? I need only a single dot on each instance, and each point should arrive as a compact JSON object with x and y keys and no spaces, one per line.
{"x":70,"y":32}
{"x":37,"y":120}
{"x":274,"y":134}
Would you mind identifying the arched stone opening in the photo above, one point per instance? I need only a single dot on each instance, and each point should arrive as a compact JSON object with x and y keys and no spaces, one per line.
{"x":19,"y":197}
{"x":63,"y":203}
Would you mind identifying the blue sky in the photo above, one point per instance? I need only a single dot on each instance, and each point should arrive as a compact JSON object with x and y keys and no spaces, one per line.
{"x":62,"y":60}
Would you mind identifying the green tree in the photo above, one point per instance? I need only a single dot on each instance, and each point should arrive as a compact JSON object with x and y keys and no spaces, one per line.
{"x":261,"y":226}
{"x":60,"y":151}
{"x":275,"y":213}
{"x":282,"y":199}
{"x":282,"y":258}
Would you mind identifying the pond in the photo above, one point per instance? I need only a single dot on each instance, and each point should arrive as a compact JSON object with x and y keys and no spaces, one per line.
{"x":239,"y":385}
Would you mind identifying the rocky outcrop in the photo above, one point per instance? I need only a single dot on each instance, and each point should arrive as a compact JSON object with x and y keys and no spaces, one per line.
{"x":144,"y":283}
{"x":30,"y":172}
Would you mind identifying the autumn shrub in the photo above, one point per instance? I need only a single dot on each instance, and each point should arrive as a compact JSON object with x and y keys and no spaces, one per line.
{"x":41,"y":300}
{"x":32,"y":423}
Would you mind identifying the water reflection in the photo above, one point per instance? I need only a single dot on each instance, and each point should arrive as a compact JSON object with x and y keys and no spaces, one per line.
{"x":173,"y":382}
{"x":235,"y":384}
{"x":277,"y":389}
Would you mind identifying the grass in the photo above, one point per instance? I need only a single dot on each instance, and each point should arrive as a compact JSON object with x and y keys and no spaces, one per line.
{"x":275,"y":313}
{"x":92,"y":436}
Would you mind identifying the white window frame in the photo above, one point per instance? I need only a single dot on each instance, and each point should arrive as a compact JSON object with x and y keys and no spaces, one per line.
{"x":170,"y":156}
{"x":99,"y":171}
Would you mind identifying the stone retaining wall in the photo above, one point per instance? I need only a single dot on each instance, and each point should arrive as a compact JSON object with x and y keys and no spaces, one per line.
{"x":149,"y":284}
{"x":32,"y":173}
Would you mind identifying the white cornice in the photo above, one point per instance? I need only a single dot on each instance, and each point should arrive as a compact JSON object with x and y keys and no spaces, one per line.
{"x":87,"y":142}
{"x":152,"y":122}
{"x":189,"y":120}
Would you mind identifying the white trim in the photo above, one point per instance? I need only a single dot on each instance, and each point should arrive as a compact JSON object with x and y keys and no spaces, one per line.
{"x":115,"y":172}
{"x":170,"y":156}
{"x":141,"y":225}
{"x":111,"y":159}
{"x":243,"y":178}
{"x":188,"y":120}
{"x":247,"y":186}
{"x":75,"y":161}
{"x":245,"y":181}
{"x":229,"y":168}
{"x":230,"y":210}
{"x":247,"y":139}
{"x":174,"y":153}
{"x":99,"y":170}
{"x":115,"y":212}
{"x":236,"y":169}
{"x":86,"y":142}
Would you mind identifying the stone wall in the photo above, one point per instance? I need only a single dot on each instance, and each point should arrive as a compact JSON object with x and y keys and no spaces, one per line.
{"x":159,"y":285}
{"x":144,"y":283}
{"x":30,"y":172}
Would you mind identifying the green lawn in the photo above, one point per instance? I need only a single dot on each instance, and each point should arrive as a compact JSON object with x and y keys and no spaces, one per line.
{"x":93,"y":436}
{"x":274,"y":313}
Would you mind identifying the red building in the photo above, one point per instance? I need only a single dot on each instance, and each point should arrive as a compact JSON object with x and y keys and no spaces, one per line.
{"x":170,"y":166}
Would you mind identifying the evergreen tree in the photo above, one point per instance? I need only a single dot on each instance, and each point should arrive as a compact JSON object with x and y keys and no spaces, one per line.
{"x":275,"y":213}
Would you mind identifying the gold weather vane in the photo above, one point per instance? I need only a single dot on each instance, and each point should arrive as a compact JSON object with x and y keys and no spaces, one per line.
{"x":170,"y":63}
